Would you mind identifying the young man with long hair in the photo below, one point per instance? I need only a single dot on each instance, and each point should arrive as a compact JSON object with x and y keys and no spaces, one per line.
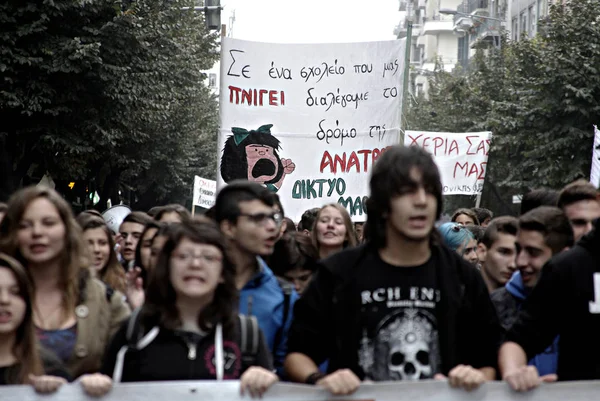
{"x":402,"y":306}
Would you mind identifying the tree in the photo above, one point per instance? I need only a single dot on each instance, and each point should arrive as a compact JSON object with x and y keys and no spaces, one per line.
{"x":171,"y":115}
{"x":539,"y":96}
{"x":554,"y":99}
{"x":45,"y":94}
{"x":114,"y":99}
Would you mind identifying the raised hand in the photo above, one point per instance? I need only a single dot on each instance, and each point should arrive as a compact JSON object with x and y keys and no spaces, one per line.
{"x":288,"y":166}
{"x":135,"y":288}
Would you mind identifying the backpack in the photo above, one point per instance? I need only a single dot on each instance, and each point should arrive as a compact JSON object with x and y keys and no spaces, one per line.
{"x":249,"y":341}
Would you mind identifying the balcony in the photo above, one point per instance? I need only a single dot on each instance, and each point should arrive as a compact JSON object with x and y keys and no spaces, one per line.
{"x":402,"y":28}
{"x":485,"y":33}
{"x":438,"y":24}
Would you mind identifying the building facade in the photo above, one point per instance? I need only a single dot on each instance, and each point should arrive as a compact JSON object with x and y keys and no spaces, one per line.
{"x":433,"y":39}
{"x":525,"y":16}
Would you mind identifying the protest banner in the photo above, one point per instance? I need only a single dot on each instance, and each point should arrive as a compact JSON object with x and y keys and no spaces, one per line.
{"x":595,"y":172}
{"x":387,"y":391}
{"x":309,"y":121}
{"x":205,"y":192}
{"x":461,"y":158}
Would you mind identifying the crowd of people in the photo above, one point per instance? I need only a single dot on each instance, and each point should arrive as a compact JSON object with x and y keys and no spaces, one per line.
{"x":242,"y":292}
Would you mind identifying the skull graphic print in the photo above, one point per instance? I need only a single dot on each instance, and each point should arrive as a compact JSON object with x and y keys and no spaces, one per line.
{"x":405,"y":346}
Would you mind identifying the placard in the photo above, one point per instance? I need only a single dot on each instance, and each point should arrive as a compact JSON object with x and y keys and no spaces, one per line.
{"x":205,"y":192}
{"x":461,"y":158}
{"x":309,"y":121}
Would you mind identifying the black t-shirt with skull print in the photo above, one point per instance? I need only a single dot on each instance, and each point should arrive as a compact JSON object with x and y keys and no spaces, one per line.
{"x":398,"y":322}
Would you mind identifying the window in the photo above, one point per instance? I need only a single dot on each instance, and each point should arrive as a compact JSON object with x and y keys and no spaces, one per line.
{"x":419,"y":89}
{"x":530,"y":23}
{"x":416,"y":53}
{"x":523,"y":28}
{"x":212,"y":80}
{"x":515,"y":29}
{"x":533,"y":20}
{"x":542,"y":8}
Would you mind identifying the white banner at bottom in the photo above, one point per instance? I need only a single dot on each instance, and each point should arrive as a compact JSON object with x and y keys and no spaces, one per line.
{"x":230,"y":391}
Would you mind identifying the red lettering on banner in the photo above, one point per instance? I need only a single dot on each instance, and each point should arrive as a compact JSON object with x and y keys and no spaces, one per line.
{"x":247,"y":96}
{"x":441,"y":146}
{"x":425,"y":144}
{"x":453,"y":146}
{"x":256,"y":97}
{"x":482,"y":166}
{"x":468,"y":169}
{"x":350,"y":162}
{"x":341,"y":162}
{"x":414,"y":140}
{"x":262,"y":93}
{"x":353,"y":162}
{"x":481,"y":148}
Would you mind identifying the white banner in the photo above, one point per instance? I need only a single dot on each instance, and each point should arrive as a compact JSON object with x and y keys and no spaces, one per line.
{"x":230,"y":391}
{"x":308,"y":121}
{"x":595,"y":173}
{"x":205,"y":192}
{"x":461,"y":158}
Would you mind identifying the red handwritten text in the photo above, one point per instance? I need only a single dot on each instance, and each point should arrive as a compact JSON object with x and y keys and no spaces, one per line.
{"x":350,"y":162}
{"x":256,"y":97}
{"x":477,"y":145}
{"x":447,"y":146}
{"x":466,"y":169}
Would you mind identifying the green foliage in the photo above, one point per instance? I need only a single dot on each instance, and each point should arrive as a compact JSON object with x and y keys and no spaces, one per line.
{"x":107,"y":93}
{"x":540,"y":98}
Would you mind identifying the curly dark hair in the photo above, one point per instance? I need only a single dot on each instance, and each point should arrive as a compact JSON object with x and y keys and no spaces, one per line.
{"x":160,"y":305}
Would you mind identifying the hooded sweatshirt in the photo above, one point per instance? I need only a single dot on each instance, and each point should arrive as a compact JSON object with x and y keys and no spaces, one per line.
{"x":565,"y":302}
{"x":263,"y":297}
{"x":546,"y":362}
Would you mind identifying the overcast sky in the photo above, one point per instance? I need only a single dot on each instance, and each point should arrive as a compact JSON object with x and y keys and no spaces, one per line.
{"x":312,"y":21}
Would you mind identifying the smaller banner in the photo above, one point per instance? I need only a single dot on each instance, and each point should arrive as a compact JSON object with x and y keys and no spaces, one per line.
{"x":205,"y":192}
{"x":461,"y":158}
{"x":595,"y":173}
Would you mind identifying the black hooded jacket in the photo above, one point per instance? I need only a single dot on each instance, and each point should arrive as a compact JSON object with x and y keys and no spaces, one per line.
{"x":326,"y":317}
{"x":566,"y":302}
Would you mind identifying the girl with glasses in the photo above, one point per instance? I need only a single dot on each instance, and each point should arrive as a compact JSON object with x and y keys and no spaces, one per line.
{"x":188,"y":328}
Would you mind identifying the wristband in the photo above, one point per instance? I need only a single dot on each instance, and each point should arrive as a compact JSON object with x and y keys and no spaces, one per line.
{"x":313,"y":378}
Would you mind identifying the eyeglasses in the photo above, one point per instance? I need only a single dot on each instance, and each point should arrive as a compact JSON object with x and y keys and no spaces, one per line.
{"x":262,"y":218}
{"x":189,"y":257}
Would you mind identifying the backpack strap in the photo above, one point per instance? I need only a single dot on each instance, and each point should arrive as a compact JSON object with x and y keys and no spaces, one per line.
{"x":133,"y":341}
{"x":287,"y":289}
{"x":249,"y":339}
{"x":133,"y":326}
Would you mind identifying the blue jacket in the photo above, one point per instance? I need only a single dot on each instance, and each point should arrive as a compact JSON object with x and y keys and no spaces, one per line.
{"x":546,"y":362}
{"x":263,"y":297}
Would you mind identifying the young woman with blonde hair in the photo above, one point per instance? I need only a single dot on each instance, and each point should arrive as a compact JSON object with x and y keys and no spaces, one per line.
{"x":74,"y":314}
{"x":333,"y":230}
